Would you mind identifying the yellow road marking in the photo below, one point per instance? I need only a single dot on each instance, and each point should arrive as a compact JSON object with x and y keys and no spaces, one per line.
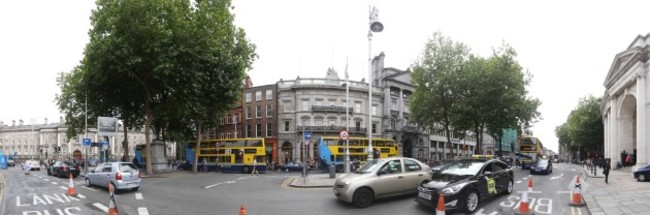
{"x":286,"y":183}
{"x":573,"y":211}
{"x":579,"y":211}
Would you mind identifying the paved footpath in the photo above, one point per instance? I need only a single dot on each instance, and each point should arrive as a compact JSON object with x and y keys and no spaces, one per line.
{"x":623,"y":194}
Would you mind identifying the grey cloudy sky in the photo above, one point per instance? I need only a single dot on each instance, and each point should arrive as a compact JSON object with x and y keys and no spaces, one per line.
{"x":567,"y":45}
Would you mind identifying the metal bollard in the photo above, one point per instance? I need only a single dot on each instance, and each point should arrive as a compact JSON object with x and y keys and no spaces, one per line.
{"x":332,"y":170}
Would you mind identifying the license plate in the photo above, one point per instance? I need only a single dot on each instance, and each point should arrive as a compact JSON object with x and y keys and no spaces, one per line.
{"x":424,"y":195}
{"x":131,"y":184}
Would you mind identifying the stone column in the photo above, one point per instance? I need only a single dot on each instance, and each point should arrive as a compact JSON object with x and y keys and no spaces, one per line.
{"x":641,"y":142}
{"x":606,"y":150}
{"x":400,"y":102}
{"x":613,"y":128}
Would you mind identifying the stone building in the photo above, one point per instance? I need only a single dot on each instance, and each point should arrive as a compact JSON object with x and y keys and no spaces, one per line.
{"x":625,"y":104}
{"x":318,"y":105}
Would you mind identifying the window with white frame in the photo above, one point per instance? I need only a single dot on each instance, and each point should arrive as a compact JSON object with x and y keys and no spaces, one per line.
{"x":229,"y":119}
{"x":258,"y":96}
{"x":259,"y":111}
{"x":374,"y":128}
{"x":248,"y":112}
{"x":228,"y":135}
{"x":249,"y":97}
{"x":259,"y":130}
{"x":269,"y":130}
{"x":305,"y":105}
{"x":269,"y":94}
{"x":286,"y":125}
{"x":269,"y":110}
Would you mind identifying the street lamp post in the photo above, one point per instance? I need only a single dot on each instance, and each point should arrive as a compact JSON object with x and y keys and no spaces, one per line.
{"x":374,"y":26}
{"x":347,"y":118}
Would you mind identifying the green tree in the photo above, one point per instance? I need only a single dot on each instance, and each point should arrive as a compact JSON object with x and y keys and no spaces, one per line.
{"x":585,"y":125}
{"x":436,"y":75}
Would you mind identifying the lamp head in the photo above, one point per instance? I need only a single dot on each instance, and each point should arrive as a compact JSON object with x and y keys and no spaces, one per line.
{"x":376,"y":27}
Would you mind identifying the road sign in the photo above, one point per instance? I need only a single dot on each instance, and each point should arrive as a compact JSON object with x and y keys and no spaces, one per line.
{"x":344,"y":135}
{"x":86,"y":142}
{"x":104,"y":145}
{"x":308,"y":135}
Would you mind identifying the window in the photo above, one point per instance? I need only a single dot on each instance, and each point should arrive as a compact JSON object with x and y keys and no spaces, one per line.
{"x":374,"y":110}
{"x":358,"y":126}
{"x":305,"y":105}
{"x":259,"y":111}
{"x":249,"y":97}
{"x":249,"y":131}
{"x":269,"y":111}
{"x":392,"y":167}
{"x":269,"y":94}
{"x":393,"y":105}
{"x":229,"y":119}
{"x":221,"y":135}
{"x":223,"y":121}
{"x":248,"y":112}
{"x":374,"y":128}
{"x":228,"y":135}
{"x":331,"y":122}
{"x":357,"y":107}
{"x":258,"y":96}
{"x":411,"y":166}
{"x":286,"y":125}
{"x":269,"y":130}
{"x":259,"y":130}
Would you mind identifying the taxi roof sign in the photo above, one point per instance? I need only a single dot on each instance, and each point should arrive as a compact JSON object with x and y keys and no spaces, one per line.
{"x":483,"y":156}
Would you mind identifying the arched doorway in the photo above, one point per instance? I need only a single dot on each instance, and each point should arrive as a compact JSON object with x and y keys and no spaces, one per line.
{"x":627,"y":128}
{"x":287,"y":151}
{"x":407,"y":146}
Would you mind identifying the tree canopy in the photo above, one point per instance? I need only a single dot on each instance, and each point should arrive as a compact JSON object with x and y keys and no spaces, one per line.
{"x":583,"y":129}
{"x":170,"y":65}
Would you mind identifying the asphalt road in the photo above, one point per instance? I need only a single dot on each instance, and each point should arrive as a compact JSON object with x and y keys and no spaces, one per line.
{"x":217,"y":193}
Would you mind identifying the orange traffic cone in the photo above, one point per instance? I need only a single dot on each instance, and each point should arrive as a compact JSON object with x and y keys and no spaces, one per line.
{"x":576,"y":199}
{"x":524,"y":208}
{"x":530,"y":185}
{"x":112,"y":205}
{"x":71,"y":191}
{"x":242,"y":210}
{"x":440,"y":209}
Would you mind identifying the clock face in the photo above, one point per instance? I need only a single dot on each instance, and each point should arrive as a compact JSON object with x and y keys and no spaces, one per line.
{"x":376,"y":27}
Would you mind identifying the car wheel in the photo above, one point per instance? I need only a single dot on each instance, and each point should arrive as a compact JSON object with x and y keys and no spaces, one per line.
{"x":471,"y":201}
{"x":363,"y":198}
{"x":88,"y":184}
{"x":641,"y":177}
{"x":509,"y":187}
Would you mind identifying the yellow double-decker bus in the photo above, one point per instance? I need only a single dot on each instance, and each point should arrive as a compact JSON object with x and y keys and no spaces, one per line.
{"x":530,"y":149}
{"x":332,"y":149}
{"x":230,"y":155}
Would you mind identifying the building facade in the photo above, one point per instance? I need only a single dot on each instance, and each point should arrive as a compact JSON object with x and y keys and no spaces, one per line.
{"x":318,"y":105}
{"x":625,"y":104}
{"x":49,"y":141}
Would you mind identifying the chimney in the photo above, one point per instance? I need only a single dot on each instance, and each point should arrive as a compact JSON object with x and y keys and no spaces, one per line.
{"x":20,"y":122}
{"x":45,"y":121}
{"x":13,"y":122}
{"x":248,"y":83}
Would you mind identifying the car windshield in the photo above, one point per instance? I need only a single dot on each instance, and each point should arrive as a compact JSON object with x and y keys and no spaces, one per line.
{"x":466,"y":167}
{"x":369,"y":167}
{"x":542,"y":162}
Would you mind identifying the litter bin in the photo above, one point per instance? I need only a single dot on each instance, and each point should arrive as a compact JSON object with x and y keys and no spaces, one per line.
{"x":332,"y":170}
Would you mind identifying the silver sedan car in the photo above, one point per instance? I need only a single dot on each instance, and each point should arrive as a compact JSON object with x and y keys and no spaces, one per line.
{"x":123,"y":176}
{"x":381,"y":178}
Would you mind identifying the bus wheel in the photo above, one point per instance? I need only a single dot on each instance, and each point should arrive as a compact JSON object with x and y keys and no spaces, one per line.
{"x":245,"y":169}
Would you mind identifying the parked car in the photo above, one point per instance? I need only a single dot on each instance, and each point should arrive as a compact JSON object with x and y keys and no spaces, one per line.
{"x":466,"y":182}
{"x":643,"y":173}
{"x":63,"y":169}
{"x":544,"y":166}
{"x":381,"y":178}
{"x":11,"y":162}
{"x":34,"y":165}
{"x":123,"y":176}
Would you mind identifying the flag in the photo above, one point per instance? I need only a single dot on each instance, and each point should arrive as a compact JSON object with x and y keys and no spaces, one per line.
{"x":346,"y":69}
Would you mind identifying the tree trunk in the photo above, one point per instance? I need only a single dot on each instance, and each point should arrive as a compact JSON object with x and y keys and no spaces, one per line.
{"x":147,"y":138}
{"x":196,"y":148}
{"x":451,"y":145}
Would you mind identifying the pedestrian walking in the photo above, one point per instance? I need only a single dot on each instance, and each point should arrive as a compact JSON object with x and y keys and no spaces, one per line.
{"x":254,"y":172}
{"x":628,"y":160}
{"x":606,"y":168}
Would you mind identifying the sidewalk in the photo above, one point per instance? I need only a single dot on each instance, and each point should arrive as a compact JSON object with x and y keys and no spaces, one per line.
{"x":172,"y":173}
{"x":623,"y":194}
{"x":314,"y":180}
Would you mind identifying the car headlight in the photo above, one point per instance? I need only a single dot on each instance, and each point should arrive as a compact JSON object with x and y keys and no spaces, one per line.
{"x":454,"y":189}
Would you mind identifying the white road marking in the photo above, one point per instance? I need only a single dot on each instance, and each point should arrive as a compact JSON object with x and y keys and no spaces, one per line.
{"x":46,"y":179}
{"x":93,"y":189}
{"x":556,"y":177}
{"x":517,"y":182}
{"x":64,"y":188}
{"x":143,"y":211}
{"x":138,"y":196}
{"x":100,"y":207}
{"x":81,"y":196}
{"x":210,"y":186}
{"x":55,"y":183}
{"x":242,"y":178}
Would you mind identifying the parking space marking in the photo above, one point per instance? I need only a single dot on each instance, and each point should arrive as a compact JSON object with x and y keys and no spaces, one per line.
{"x":138,"y":196}
{"x":93,"y":189}
{"x":100,"y":207}
{"x":143,"y":211}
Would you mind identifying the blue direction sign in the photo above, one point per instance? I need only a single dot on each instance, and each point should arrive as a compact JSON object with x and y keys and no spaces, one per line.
{"x":308,"y":135}
{"x":105,"y":145}
{"x":86,"y":142}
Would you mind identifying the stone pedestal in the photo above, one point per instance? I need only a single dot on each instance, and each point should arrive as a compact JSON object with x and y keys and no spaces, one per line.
{"x":158,"y":159}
